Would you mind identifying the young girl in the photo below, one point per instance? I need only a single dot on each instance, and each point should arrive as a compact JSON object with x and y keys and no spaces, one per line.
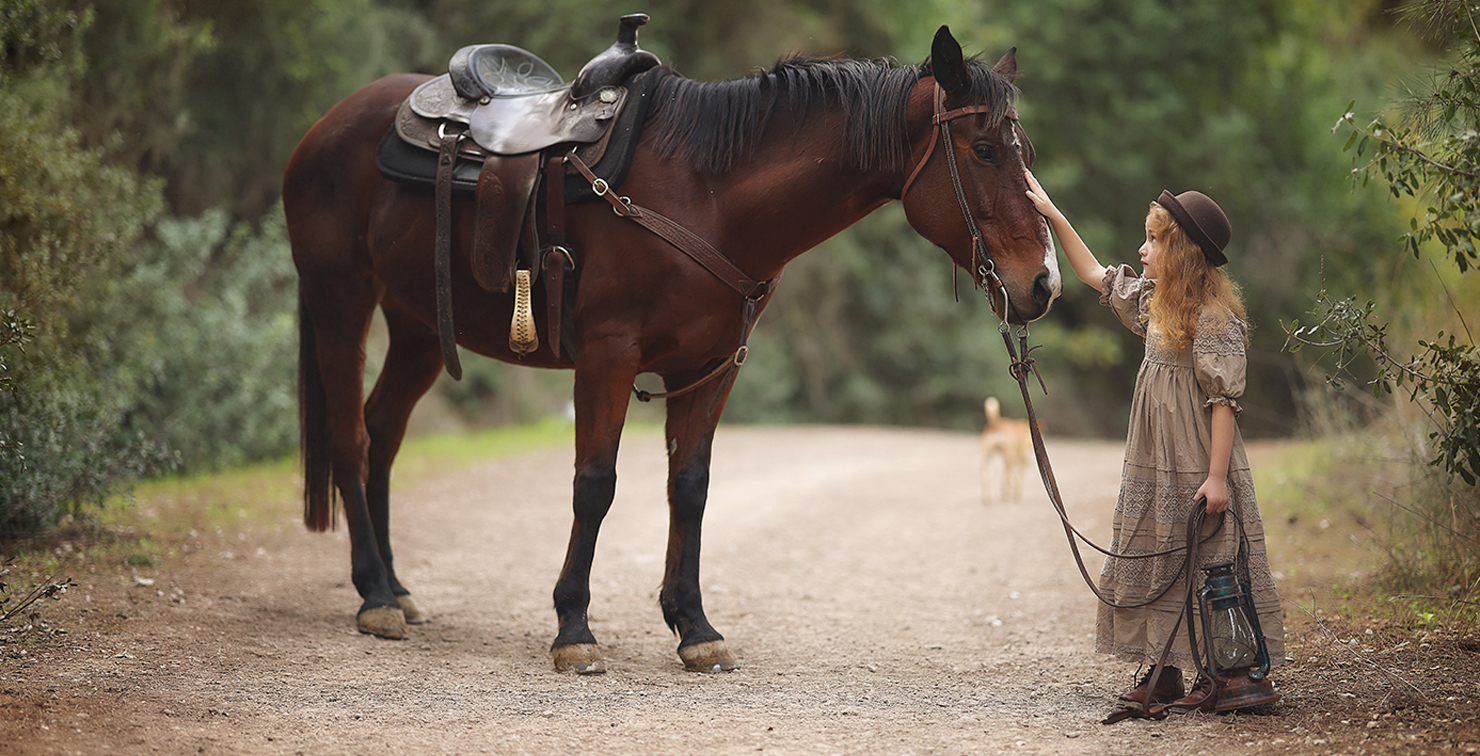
{"x":1183,"y":442}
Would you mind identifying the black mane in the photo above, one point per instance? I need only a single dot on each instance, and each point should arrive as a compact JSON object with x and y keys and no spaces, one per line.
{"x":712,"y":125}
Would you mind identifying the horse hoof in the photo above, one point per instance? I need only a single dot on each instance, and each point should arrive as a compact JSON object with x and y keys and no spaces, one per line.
{"x":414,"y":615}
{"x":710,"y":656}
{"x":384,"y":621}
{"x":580,"y":658}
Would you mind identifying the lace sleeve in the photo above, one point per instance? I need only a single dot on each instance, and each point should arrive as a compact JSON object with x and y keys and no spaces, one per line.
{"x":1220,"y":359}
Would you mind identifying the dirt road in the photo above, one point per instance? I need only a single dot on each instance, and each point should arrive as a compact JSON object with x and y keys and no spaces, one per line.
{"x":875,"y":603}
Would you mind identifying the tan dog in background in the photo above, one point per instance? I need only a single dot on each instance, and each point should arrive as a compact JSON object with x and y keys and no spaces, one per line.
{"x":1012,"y":440}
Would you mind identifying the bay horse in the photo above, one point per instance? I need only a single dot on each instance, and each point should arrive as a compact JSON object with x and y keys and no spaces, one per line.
{"x":762,"y":168}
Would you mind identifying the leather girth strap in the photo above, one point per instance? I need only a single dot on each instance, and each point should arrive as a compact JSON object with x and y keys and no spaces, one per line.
{"x":702,"y":252}
{"x":442,"y":267}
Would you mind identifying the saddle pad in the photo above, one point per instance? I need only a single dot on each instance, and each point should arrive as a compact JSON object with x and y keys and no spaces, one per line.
{"x":416,"y":167}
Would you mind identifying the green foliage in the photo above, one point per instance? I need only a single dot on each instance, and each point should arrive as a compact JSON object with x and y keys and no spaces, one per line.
{"x":1444,"y":375}
{"x":214,"y":96}
{"x":134,"y":91}
{"x":137,"y":344}
{"x":205,"y":319}
{"x":1124,"y":98}
{"x":1429,"y":151}
{"x":35,"y":36}
{"x":64,"y":210}
{"x":278,"y":65}
{"x":15,"y":331}
{"x":67,"y":217}
{"x":73,"y":452}
{"x":185,"y":358}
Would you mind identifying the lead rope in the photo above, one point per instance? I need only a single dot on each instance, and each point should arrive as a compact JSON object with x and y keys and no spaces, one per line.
{"x":1022,"y":363}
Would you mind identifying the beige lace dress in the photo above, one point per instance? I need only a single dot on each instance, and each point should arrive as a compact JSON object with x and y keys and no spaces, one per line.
{"x":1166,"y":460}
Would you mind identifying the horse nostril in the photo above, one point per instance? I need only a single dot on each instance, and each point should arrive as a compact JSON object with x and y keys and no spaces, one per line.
{"x":1042,"y":292}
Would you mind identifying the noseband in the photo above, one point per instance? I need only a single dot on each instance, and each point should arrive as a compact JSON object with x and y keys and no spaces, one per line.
{"x":985,"y":273}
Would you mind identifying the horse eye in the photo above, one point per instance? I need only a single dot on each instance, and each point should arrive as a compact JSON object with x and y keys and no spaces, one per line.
{"x":986,"y":153}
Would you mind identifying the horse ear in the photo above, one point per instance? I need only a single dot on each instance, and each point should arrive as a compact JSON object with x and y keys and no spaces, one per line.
{"x":947,"y":64}
{"x":1008,"y":65}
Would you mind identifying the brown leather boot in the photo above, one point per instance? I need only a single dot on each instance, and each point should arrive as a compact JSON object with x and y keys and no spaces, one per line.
{"x":1195,"y":700}
{"x":1168,"y":687}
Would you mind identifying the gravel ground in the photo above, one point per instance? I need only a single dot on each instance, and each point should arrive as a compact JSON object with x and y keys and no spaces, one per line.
{"x":875,"y":603}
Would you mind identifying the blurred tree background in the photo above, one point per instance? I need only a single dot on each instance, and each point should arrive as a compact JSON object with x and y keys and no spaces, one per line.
{"x":148,"y":296}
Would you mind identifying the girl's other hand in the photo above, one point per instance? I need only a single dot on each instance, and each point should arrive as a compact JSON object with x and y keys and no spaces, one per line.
{"x":1216,"y":491}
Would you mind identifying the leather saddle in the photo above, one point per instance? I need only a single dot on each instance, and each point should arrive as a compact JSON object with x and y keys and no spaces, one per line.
{"x":497,"y":124}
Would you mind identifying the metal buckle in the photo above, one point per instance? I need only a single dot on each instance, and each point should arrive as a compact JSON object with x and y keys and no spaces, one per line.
{"x":442,"y":132}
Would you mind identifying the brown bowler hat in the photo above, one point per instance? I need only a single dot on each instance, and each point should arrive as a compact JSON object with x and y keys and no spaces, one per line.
{"x":1203,"y":221}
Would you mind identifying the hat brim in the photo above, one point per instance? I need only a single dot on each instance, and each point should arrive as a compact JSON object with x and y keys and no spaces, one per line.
{"x":1194,"y":231}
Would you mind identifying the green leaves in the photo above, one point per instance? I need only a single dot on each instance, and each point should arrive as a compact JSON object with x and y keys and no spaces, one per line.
{"x":1431,"y":154}
{"x":1443,"y":376}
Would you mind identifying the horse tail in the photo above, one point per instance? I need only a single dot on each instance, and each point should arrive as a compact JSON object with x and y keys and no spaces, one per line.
{"x":313,"y":427}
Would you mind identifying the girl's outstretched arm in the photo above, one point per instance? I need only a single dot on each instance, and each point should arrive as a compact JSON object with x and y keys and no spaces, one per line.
{"x":1086,"y":267}
{"x":1216,"y":486}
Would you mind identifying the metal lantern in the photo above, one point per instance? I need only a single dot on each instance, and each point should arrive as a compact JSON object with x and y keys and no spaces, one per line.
{"x":1233,"y":643}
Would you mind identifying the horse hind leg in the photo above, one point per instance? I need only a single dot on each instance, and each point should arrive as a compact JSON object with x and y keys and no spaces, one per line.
{"x":335,"y":320}
{"x":412,"y":365}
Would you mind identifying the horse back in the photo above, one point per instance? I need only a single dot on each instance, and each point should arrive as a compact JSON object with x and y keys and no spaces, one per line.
{"x":331,"y":175}
{"x":339,"y":150}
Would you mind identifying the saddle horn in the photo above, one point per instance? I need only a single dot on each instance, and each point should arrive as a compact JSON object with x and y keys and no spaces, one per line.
{"x":624,"y":58}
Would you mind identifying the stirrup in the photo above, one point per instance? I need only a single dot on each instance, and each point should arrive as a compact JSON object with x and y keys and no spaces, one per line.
{"x":523,"y":338}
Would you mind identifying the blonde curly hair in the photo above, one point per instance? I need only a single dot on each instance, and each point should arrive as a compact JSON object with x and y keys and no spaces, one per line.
{"x":1186,"y":284}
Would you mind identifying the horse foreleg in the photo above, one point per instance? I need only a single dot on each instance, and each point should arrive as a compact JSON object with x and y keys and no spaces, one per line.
{"x":601,"y":409}
{"x":690,"y":434}
{"x":412,"y":364}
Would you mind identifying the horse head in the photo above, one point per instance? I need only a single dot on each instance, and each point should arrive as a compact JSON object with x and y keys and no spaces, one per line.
{"x":966,"y":192}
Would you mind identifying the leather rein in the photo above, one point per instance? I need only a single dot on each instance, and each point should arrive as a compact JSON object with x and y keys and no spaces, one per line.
{"x":1021,"y":362}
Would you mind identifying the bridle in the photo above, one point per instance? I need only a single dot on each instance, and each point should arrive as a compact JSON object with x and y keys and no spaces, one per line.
{"x":984,"y":271}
